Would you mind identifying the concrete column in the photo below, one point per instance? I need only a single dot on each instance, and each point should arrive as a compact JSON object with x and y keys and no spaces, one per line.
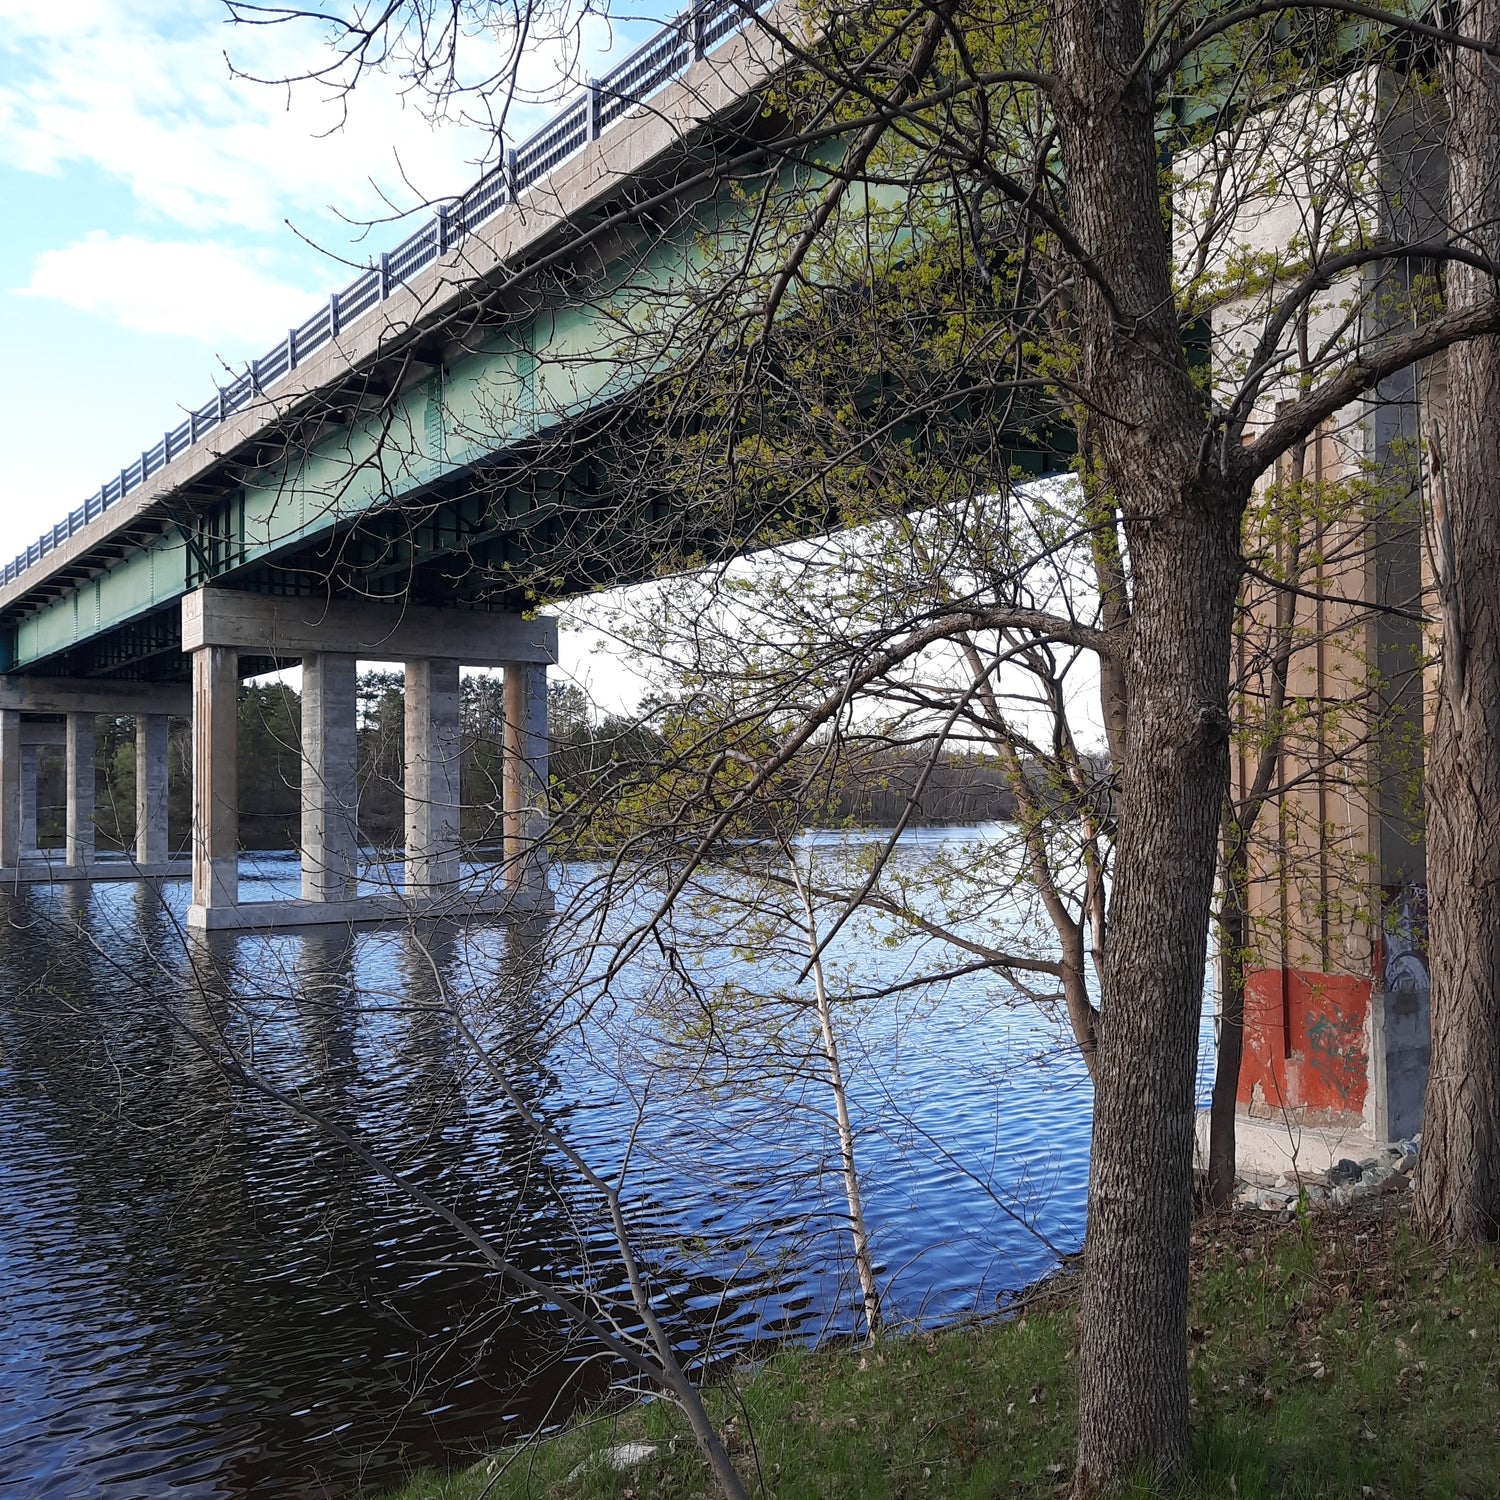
{"x":524,"y":791}
{"x":80,"y":790}
{"x":216,"y":812}
{"x":10,"y":787}
{"x":28,"y":798}
{"x":330,"y":793}
{"x":151,"y":733}
{"x":432,"y":789}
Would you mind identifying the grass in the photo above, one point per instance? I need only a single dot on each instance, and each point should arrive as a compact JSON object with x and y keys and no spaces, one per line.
{"x":1333,"y":1357}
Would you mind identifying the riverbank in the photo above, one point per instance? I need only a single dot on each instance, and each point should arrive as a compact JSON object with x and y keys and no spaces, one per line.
{"x":1332,"y":1356}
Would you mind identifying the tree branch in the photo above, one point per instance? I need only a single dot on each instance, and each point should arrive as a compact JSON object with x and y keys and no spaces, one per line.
{"x":1358,"y":379}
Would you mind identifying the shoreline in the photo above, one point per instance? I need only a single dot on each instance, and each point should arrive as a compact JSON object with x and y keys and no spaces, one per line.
{"x":1330,"y":1355}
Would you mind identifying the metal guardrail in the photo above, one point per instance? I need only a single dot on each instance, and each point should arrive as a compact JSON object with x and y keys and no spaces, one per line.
{"x":672,"y":50}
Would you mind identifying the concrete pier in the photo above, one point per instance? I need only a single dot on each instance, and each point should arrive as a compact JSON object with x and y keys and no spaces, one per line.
{"x":79,"y":849}
{"x":44,"y":712}
{"x":330,"y":790}
{"x":36,"y":735}
{"x":151,"y":739}
{"x":10,"y":787}
{"x":28,"y":798}
{"x":432,"y":777}
{"x":216,"y":811}
{"x":525,"y":776}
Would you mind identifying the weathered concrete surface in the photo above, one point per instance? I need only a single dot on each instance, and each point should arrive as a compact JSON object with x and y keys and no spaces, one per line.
{"x":79,"y":848}
{"x":383,"y":907}
{"x":267,"y":626}
{"x":1283,"y":1148}
{"x":524,"y":779}
{"x":151,"y":738}
{"x":46,"y":867}
{"x":1400,"y":1025}
{"x":28,"y":795}
{"x":432,"y":776}
{"x":330,"y":789}
{"x":216,"y":814}
{"x":10,"y":786}
{"x":63,"y":695}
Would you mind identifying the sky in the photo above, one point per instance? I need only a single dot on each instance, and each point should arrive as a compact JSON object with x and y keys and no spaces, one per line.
{"x":167,"y":218}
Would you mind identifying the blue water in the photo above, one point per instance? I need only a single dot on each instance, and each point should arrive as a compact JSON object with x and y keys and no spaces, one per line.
{"x":205,"y":1294}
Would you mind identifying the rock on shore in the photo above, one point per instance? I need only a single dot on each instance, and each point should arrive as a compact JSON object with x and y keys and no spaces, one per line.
{"x":1345,"y":1183}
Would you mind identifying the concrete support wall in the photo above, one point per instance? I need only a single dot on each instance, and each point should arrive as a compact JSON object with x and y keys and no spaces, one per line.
{"x":10,"y":788}
{"x":330,"y":792}
{"x":28,"y":798}
{"x":525,"y":774}
{"x":79,"y":790}
{"x":151,"y":734}
{"x":216,"y":813}
{"x":432,"y":776}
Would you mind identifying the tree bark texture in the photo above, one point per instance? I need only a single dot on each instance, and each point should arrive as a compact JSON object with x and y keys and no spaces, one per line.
{"x":1181,"y":528}
{"x":1458,"y":1175}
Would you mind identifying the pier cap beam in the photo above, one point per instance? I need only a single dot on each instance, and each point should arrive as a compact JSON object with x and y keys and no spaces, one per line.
{"x":268,"y":625}
{"x":94,"y":695}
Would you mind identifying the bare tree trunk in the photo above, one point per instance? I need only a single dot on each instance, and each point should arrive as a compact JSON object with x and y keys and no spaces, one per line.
{"x":1458,"y":1175}
{"x":1181,"y":530}
{"x":864,"y":1263}
{"x":1133,"y":1334}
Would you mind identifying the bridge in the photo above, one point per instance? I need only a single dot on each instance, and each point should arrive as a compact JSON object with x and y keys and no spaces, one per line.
{"x":347,"y":498}
{"x":406,"y":476}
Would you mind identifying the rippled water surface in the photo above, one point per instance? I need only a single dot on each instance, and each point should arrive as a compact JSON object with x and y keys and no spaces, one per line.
{"x":204,"y":1293}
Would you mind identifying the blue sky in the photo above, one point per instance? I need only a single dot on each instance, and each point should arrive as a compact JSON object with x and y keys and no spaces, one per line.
{"x":158,"y":212}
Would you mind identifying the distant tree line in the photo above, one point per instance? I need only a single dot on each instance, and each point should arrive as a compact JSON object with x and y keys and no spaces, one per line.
{"x":870,"y":789}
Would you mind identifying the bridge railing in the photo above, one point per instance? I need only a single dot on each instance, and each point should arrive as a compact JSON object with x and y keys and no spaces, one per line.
{"x":658,"y":60}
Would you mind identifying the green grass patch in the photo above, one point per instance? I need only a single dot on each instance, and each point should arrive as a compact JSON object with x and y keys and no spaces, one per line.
{"x":1332,"y":1358}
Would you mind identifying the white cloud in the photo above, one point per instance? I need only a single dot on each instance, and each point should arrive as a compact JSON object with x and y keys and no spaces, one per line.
{"x":143,"y":92}
{"x":206,"y":291}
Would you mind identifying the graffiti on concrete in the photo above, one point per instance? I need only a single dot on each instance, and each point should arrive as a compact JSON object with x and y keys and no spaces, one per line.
{"x":1405,"y":968}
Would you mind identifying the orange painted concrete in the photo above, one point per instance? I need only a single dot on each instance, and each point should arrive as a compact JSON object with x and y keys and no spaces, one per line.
{"x":1305,"y":1044}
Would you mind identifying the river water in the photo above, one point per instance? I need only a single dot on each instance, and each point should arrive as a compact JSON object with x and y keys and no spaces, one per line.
{"x":204,"y":1293}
